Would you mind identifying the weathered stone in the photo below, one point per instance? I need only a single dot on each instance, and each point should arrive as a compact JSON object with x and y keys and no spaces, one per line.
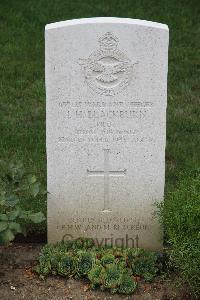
{"x":106,"y":87}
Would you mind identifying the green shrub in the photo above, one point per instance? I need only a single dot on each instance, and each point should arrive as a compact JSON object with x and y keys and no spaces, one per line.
{"x":113,"y":269}
{"x":180,"y":214}
{"x":15,"y":183}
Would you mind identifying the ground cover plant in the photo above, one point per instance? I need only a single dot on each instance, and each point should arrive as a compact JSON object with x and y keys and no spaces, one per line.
{"x":114,"y":269}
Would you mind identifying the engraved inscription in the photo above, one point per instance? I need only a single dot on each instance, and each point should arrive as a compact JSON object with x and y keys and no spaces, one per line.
{"x":102,"y":116}
{"x":108,"y":70}
{"x":106,"y":174}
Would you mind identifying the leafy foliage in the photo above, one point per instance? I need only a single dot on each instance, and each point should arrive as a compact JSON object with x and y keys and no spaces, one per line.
{"x":14,"y":182}
{"x":180,"y":214}
{"x":113,"y":269}
{"x":143,"y":263}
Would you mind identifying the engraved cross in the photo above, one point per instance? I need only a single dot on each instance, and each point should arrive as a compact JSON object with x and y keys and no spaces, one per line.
{"x":106,"y":173}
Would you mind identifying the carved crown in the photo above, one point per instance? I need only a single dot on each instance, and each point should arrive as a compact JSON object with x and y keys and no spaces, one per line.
{"x":108,"y":41}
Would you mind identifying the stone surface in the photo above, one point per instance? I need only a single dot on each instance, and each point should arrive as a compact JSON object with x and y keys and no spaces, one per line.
{"x":106,"y":87}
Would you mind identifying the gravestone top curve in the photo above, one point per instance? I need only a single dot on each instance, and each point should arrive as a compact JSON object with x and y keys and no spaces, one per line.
{"x":106,"y":20}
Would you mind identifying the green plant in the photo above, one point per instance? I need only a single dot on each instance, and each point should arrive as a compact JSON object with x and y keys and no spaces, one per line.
{"x":45,"y":260}
{"x":180,"y":216}
{"x":118,"y":278}
{"x":111,"y":277}
{"x":143,"y":263}
{"x":66,"y":265}
{"x":127,"y":284}
{"x":107,"y":259}
{"x":95,"y":276}
{"x":85,"y":262}
{"x":13,"y":182}
{"x":109,"y":268}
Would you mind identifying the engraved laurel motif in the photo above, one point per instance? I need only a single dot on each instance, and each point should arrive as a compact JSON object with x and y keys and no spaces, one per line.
{"x":107,"y":71}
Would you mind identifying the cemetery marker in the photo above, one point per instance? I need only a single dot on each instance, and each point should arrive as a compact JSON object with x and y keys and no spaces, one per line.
{"x":106,"y":98}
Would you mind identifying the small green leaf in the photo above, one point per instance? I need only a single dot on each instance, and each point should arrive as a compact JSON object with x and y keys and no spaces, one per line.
{"x":31,"y":179}
{"x":37,"y":217}
{"x":11,"y":200}
{"x":35,"y":188}
{"x":3,"y":217}
{"x":12,"y":215}
{"x":3,"y":226}
{"x":24,"y":215}
{"x":2,"y":198}
{"x":15,"y":227}
{"x":6,"y":236}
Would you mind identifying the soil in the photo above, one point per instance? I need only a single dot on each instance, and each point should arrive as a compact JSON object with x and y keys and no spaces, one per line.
{"x":18,"y":281}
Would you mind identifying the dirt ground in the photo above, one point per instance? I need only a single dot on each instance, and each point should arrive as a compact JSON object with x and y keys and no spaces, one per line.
{"x":17,"y":281}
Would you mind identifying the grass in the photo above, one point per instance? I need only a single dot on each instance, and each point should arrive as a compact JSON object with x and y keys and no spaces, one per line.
{"x":22,"y":92}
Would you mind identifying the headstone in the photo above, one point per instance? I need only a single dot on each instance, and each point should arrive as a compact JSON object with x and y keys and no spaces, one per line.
{"x":106,"y":88}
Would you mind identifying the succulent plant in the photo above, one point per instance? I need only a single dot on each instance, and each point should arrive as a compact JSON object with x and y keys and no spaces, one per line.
{"x":144,"y":265}
{"x":109,"y":268}
{"x":85,"y":262}
{"x":107,"y":259}
{"x":44,"y":267}
{"x":111,"y":276}
{"x":66,"y":265}
{"x":127,"y":285}
{"x":95,"y":275}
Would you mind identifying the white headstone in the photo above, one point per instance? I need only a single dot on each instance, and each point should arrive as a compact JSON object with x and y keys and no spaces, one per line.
{"x":106,"y":88}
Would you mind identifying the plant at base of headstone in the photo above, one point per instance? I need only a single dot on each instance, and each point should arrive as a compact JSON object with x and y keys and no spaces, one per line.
{"x":107,"y":259}
{"x":85,"y":262}
{"x":127,"y":284}
{"x":14,"y":183}
{"x":46,"y":258}
{"x":66,"y":265}
{"x":111,"y":277}
{"x":95,"y":276}
{"x":143,"y":263}
{"x":113,"y":269}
